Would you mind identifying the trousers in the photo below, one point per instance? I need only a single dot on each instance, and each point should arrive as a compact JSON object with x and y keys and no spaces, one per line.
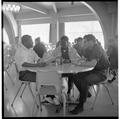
{"x":85,"y":79}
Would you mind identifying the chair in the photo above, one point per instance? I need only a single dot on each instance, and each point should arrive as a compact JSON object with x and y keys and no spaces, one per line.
{"x":7,"y":63}
{"x":25,"y":83}
{"x":104,"y":84}
{"x":50,"y":83}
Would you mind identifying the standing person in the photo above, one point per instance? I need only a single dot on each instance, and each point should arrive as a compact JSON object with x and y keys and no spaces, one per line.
{"x":39,"y":47}
{"x":92,"y":51}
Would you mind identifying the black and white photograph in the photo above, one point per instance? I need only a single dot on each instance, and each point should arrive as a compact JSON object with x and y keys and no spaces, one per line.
{"x":59,"y":58}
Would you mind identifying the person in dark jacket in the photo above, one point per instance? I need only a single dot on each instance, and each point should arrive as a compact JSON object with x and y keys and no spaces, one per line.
{"x":92,"y":51}
{"x":39,"y":47}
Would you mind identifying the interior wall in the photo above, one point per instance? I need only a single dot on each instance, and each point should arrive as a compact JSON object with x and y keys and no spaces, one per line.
{"x":10,"y":25}
{"x":9,"y":29}
{"x":108,"y":20}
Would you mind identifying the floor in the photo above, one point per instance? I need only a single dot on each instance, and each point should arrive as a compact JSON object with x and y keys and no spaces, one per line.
{"x":23,"y":107}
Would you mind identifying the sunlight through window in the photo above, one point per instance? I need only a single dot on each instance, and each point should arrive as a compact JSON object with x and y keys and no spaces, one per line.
{"x":5,"y":37}
{"x":79,"y":29}
{"x":37,"y":30}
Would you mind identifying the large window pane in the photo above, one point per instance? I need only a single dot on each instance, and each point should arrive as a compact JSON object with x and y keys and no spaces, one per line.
{"x":79,"y":29}
{"x":37,"y":30}
{"x":5,"y":37}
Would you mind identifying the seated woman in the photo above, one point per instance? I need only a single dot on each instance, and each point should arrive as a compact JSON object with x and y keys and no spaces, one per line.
{"x":78,"y":45}
{"x":92,"y":51}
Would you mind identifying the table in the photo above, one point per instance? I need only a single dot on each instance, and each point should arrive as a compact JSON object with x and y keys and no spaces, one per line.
{"x":64,"y":68}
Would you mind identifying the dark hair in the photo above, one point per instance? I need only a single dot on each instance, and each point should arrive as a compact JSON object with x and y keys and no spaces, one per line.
{"x":79,"y":39}
{"x":27,"y":41}
{"x":64,"y":40}
{"x":90,"y":37}
{"x":37,"y":39}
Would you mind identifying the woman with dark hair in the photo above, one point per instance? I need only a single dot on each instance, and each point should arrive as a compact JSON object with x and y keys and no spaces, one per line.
{"x":92,"y":52}
{"x":78,"y":45}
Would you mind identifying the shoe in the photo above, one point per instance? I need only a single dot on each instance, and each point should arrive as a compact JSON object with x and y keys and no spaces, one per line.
{"x":110,"y":81}
{"x":78,"y":109}
{"x":49,"y":100}
{"x":89,"y":94}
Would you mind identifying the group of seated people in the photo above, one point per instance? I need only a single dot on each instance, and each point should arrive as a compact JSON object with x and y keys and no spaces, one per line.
{"x":86,"y":48}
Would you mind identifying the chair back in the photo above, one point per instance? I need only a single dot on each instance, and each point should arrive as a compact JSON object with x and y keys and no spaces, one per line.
{"x":7,"y":61}
{"x":16,"y":69}
{"x":50,"y":78}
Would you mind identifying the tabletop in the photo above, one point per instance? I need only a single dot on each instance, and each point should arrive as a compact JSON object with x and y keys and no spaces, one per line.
{"x":64,"y":68}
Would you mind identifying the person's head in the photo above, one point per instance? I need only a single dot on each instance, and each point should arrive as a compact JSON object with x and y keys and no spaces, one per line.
{"x":89,"y":41}
{"x":37,"y":40}
{"x":64,"y":41}
{"x":27,"y":41}
{"x":78,"y":40}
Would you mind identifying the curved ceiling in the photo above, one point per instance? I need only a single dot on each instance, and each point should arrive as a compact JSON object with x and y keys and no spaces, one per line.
{"x":54,"y":10}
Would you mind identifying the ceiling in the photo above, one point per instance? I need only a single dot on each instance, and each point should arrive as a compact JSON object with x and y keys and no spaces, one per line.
{"x":52,"y":5}
{"x":43,"y":10}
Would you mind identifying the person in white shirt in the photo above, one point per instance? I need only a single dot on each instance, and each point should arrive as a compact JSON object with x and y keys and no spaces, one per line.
{"x":25,"y":56}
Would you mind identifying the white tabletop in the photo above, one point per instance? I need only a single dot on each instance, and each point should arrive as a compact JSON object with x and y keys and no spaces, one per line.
{"x":64,"y":68}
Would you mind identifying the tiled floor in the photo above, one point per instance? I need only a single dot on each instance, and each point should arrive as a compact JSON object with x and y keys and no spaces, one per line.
{"x":24,"y":107}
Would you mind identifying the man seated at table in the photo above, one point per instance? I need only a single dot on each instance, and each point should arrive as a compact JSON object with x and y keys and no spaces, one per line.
{"x":92,"y":51}
{"x":25,"y":56}
{"x":66,"y":54}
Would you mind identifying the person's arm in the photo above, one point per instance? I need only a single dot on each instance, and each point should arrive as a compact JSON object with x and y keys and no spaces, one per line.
{"x":26,"y":64}
{"x":91,"y":63}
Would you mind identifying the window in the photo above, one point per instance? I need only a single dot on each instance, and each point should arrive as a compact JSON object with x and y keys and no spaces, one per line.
{"x":37,"y":30}
{"x":79,"y":29}
{"x":5,"y":37}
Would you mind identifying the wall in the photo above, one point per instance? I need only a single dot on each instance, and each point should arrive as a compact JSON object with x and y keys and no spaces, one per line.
{"x":107,"y":19}
{"x":107,"y":14}
{"x":10,"y":25}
